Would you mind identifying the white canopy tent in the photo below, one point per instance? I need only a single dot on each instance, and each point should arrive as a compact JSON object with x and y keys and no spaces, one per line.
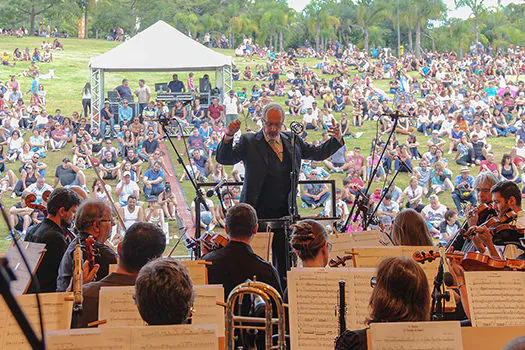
{"x":138,"y":54}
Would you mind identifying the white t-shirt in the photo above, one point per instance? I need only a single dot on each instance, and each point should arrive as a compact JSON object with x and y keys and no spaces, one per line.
{"x":231,"y":105}
{"x":39,"y":120}
{"x":307,"y":101}
{"x":482,"y":135}
{"x":435,"y":216}
{"x":239,"y":167}
{"x":308,"y":118}
{"x":127,"y":190}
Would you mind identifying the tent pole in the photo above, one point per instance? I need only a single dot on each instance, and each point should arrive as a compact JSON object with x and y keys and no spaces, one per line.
{"x":97,"y":94}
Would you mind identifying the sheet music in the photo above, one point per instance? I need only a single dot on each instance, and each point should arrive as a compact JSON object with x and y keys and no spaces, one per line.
{"x":346,"y":241}
{"x":195,"y":337}
{"x":117,"y":307}
{"x":33,"y":253}
{"x":198,"y":271}
{"x":206,"y":309}
{"x":372,"y":256}
{"x":416,"y":335}
{"x":313,"y":295}
{"x":56,"y":314}
{"x":89,"y":338}
{"x":496,"y":298}
{"x":262,"y":243}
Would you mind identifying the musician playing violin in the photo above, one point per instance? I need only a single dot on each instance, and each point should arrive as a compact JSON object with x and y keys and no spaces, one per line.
{"x":482,"y":185}
{"x":506,"y":197}
{"x":95,"y":219}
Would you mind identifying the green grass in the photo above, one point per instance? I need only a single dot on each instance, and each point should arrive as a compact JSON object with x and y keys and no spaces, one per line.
{"x":72,"y":72}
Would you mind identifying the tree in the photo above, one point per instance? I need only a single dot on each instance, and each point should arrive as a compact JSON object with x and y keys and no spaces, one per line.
{"x":426,"y":10}
{"x":33,"y":8}
{"x":477,"y":7}
{"x":368,"y":12}
{"x":317,"y":16}
{"x":86,"y":6}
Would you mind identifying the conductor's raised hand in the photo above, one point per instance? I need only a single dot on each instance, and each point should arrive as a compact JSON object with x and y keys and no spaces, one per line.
{"x":233,"y":128}
{"x":335,"y":131}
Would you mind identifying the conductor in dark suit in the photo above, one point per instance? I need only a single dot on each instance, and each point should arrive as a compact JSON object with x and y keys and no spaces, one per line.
{"x":267,"y":157}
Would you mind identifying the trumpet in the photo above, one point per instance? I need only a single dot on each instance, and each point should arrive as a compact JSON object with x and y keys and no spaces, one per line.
{"x":269,"y":297}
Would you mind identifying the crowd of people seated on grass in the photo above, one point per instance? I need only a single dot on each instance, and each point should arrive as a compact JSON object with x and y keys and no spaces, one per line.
{"x":457,"y":108}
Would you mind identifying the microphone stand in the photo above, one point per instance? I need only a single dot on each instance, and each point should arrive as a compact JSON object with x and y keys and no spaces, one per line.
{"x":365,"y":196}
{"x":438,"y":295}
{"x":199,"y":199}
{"x":296,"y":128}
{"x":383,"y":194}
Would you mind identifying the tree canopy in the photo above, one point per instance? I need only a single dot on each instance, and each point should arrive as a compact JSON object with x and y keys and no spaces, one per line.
{"x":367,"y":23}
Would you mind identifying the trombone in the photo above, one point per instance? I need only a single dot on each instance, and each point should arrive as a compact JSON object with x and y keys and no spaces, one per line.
{"x":269,"y":296}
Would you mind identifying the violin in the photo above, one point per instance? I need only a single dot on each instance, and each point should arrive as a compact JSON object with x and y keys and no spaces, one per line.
{"x":209,"y":242}
{"x":494,"y":222}
{"x":479,"y":210}
{"x":474,"y":261}
{"x":338,"y":261}
{"x":31,"y":198}
{"x":89,"y":251}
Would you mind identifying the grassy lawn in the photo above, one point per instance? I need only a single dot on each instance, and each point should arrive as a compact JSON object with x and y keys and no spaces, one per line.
{"x":72,"y":72}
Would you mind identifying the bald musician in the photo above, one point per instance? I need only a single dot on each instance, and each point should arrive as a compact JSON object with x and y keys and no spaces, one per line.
{"x":267,"y":157}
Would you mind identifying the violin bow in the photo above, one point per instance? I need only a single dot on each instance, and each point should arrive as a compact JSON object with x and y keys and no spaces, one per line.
{"x":108,"y":195}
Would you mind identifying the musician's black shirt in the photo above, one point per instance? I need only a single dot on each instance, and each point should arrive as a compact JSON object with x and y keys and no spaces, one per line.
{"x":235,"y":263}
{"x":51,"y":234}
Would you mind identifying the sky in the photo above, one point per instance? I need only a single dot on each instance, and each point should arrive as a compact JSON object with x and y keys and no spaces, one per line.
{"x":462,"y":12}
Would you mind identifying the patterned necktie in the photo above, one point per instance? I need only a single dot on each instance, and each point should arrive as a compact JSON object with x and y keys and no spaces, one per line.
{"x":277,"y":148}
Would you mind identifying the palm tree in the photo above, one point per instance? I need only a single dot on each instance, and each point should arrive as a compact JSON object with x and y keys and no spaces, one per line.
{"x":241,"y":25}
{"x":369,"y":12}
{"x":318,"y":18}
{"x":426,"y":10}
{"x":477,"y":7}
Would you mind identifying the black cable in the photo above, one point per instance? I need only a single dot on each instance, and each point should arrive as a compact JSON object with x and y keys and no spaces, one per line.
{"x":34,"y":279}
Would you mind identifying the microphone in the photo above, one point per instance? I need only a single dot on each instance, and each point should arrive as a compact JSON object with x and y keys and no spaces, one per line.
{"x":216,"y":188}
{"x":397,"y":114}
{"x":296,"y":127}
{"x":404,"y":164}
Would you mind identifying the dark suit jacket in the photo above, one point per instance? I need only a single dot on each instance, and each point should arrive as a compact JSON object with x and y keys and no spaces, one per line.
{"x":252,"y":150}
{"x":235,"y":263}
{"x":56,"y":244}
{"x":91,"y":291}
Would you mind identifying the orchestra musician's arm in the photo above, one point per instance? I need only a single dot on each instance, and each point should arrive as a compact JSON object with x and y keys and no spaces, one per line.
{"x":483,"y":242}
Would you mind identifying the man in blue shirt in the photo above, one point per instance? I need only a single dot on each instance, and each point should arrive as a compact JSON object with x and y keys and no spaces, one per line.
{"x":468,"y":112}
{"x":463,"y":189}
{"x":153,"y":181}
{"x":123,"y":91}
{"x":176,"y":85}
{"x":125,"y":114}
